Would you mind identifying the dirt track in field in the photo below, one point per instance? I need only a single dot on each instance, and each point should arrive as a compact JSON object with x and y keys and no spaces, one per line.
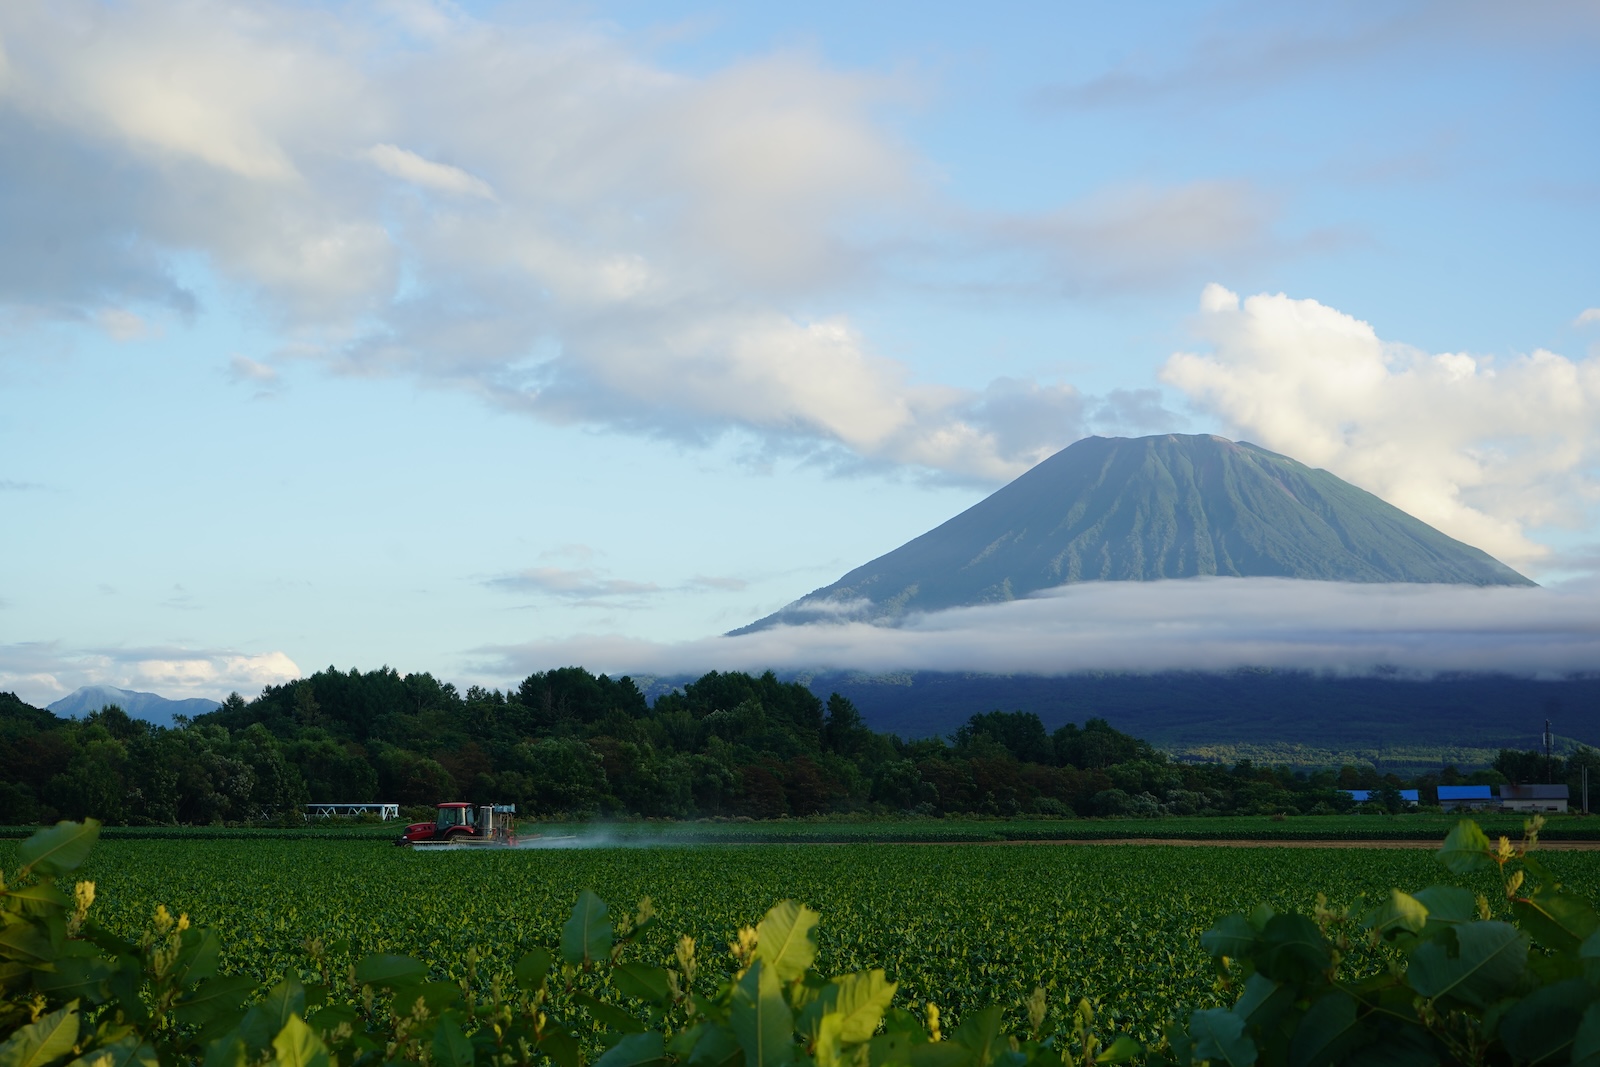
{"x":1544,"y":846}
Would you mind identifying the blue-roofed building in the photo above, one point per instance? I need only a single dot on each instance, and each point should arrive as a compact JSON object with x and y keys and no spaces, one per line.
{"x":1467,"y":797}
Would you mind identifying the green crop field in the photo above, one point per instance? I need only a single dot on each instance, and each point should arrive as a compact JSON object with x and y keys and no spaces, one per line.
{"x":1411,"y":826}
{"x":957,"y":925}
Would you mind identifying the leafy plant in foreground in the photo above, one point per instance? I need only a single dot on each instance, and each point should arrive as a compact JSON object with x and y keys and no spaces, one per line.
{"x":1457,"y":984}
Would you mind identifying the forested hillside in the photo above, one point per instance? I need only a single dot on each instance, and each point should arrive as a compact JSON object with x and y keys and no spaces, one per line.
{"x":567,"y":741}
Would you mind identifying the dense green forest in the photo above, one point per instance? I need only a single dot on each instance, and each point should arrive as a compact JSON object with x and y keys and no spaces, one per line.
{"x":573,"y":743}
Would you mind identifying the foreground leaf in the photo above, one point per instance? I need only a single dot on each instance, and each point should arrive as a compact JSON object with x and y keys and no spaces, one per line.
{"x":61,"y":848}
{"x":43,"y":1042}
{"x":1219,"y":1036}
{"x":586,"y":936}
{"x":1489,"y":958}
{"x":635,"y":1050}
{"x":786,"y":939}
{"x":1466,"y":849}
{"x":761,"y":1019}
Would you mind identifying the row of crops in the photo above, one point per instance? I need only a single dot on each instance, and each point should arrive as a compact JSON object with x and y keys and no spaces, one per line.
{"x":959,"y":926}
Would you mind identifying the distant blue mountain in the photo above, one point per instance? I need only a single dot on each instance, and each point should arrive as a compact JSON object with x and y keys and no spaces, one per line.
{"x":147,"y":706}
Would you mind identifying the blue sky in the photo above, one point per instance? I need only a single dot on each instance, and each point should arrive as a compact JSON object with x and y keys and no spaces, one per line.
{"x":480,"y":338}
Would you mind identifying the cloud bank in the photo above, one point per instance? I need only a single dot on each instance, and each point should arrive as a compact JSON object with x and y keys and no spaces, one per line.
{"x":1482,"y":449}
{"x":540,"y":214}
{"x":41,"y":672}
{"x":1191,"y":624}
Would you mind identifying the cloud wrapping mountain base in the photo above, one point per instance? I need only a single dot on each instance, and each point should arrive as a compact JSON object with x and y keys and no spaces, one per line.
{"x":1191,"y":624}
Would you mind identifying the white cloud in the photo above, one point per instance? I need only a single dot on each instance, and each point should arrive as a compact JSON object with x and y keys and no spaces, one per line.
{"x":1193,"y":624}
{"x":410,"y":167}
{"x":609,"y":242}
{"x":41,"y":672}
{"x":569,"y":583}
{"x":245,"y":369}
{"x":1482,"y":449}
{"x":1589,"y":315}
{"x":122,"y":325}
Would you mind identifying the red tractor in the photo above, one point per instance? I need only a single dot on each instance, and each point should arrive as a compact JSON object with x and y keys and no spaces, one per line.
{"x":460,"y":823}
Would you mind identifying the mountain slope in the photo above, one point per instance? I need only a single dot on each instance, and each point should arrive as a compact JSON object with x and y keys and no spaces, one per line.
{"x":147,"y":706}
{"x":1175,"y":506}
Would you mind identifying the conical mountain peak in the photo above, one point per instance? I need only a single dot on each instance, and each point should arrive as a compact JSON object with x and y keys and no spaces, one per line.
{"x":1144,"y":509}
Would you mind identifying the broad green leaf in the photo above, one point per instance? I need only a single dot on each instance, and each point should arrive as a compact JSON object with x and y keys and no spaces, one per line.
{"x":1474,"y":963}
{"x":1401,"y":911}
{"x":1326,"y":1031}
{"x":980,"y":1034}
{"x":197,"y":958}
{"x":1123,"y":1049}
{"x":828,"y":1048}
{"x":229,"y":1051}
{"x":1589,"y":957}
{"x":1466,"y":849}
{"x":533,"y":969}
{"x":437,"y":997}
{"x":1556,"y":920}
{"x":450,"y":1046}
{"x":381,"y":970}
{"x":29,"y":942}
{"x":940,"y":1054}
{"x":716,"y":1047}
{"x":1263,"y":1000}
{"x":42,"y":1042}
{"x":212,"y":997}
{"x":761,"y":1019}
{"x":642,"y":981}
{"x":40,"y":897}
{"x":1586,"y":1042}
{"x":893,"y":1049}
{"x":1449,"y":905}
{"x":61,"y":848}
{"x":609,"y":1015}
{"x":786,"y":939}
{"x":297,"y":1046}
{"x":1219,"y":1036}
{"x":1546,"y":1021}
{"x":861,"y":1001}
{"x":562,"y":1048}
{"x":129,"y":1052}
{"x":635,"y":1050}
{"x":586,"y":936}
{"x":266,"y":1019}
{"x":1293,"y":949}
{"x":1232,"y":936}
{"x":75,"y":978}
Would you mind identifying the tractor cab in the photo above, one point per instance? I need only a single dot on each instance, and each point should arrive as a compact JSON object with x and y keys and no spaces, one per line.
{"x":452,"y":816}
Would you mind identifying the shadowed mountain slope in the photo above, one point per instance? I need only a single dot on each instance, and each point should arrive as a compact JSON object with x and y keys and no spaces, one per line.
{"x":1142,"y":509}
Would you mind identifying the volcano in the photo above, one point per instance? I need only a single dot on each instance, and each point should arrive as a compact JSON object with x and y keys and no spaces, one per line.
{"x":1109,"y":509}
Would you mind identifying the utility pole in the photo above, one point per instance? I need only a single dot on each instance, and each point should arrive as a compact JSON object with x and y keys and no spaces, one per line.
{"x":1548,"y":772}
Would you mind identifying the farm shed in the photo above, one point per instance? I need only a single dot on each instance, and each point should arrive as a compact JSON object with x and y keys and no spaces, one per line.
{"x":1466,"y":797}
{"x":1533,"y":797}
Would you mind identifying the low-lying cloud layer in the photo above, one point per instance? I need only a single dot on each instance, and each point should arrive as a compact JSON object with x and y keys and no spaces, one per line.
{"x":41,"y":672}
{"x":1193,"y":624}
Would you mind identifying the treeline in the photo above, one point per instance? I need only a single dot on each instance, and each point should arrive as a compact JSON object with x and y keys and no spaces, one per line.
{"x":570,"y":742}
